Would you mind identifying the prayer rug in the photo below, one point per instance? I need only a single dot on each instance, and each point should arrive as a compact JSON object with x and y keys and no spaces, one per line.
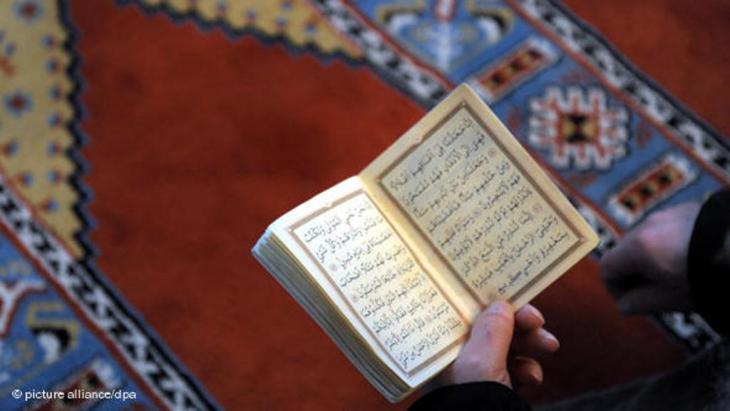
{"x":616,"y":143}
{"x":63,"y":327}
{"x":186,"y":174}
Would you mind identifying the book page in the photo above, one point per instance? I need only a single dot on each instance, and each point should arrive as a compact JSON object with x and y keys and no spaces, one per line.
{"x":381,"y":282}
{"x":481,"y":202}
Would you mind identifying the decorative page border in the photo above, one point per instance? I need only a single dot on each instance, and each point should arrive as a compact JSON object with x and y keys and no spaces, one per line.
{"x":464,"y":105}
{"x":426,"y":362}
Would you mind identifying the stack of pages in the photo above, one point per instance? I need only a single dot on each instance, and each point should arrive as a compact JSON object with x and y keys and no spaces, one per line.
{"x":396,"y":262}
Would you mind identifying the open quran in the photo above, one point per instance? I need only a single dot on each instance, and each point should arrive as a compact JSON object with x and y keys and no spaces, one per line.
{"x":395,"y":262}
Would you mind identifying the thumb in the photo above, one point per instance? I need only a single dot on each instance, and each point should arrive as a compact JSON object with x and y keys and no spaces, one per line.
{"x":491,"y":333}
{"x":484,"y":355}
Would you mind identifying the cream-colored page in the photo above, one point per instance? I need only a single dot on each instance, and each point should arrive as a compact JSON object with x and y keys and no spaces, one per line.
{"x":353,"y":252}
{"x":481,"y":203}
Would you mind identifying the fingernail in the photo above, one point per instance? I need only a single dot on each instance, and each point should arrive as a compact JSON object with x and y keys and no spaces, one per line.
{"x":549,"y":339}
{"x":498,"y":307}
{"x":536,"y":379}
{"x":537,"y":312}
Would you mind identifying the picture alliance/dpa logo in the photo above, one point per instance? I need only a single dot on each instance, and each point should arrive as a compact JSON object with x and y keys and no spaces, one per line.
{"x":76,"y":394}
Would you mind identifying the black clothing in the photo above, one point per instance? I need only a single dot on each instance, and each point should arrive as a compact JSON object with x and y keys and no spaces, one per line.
{"x":472,"y":396}
{"x":708,"y":262}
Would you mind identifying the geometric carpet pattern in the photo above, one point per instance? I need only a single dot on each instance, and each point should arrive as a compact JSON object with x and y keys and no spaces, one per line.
{"x":617,"y":144}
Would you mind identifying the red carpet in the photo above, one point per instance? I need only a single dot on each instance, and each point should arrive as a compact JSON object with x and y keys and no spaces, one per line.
{"x":198,"y":141}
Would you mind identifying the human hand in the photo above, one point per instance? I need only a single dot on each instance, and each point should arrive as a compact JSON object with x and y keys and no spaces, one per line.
{"x":646,"y":272}
{"x":492,"y":354}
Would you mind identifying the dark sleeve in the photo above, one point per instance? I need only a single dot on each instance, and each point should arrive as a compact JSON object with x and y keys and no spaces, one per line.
{"x":708,"y":262}
{"x":482,"y":396}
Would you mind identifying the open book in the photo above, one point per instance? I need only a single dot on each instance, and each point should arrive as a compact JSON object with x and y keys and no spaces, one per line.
{"x":396,"y":262}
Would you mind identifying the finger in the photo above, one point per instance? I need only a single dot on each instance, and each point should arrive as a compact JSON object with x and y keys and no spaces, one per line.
{"x":491,"y":333}
{"x":528,"y":318}
{"x":526,"y":371}
{"x":620,"y":260}
{"x":620,"y":285}
{"x":484,"y":355}
{"x":622,"y":268}
{"x":647,"y":300}
{"x":536,"y":343}
{"x":632,"y":256}
{"x":688,"y":210}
